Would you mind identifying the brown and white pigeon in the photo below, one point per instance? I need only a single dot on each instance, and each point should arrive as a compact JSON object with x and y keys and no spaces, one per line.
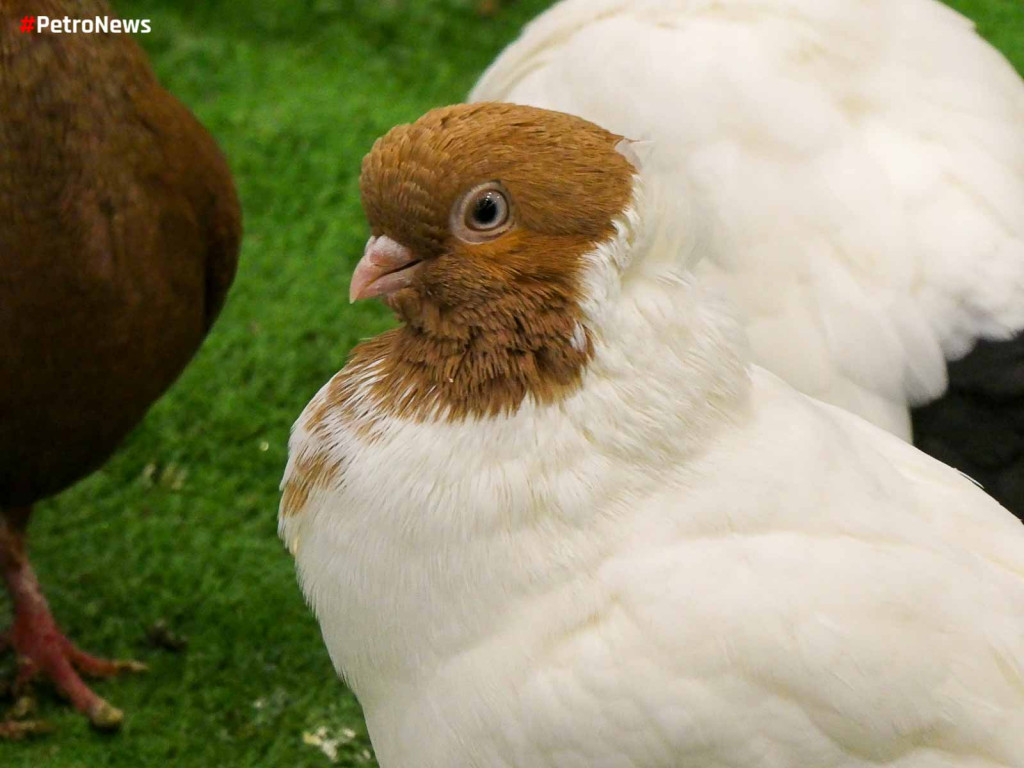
{"x":119,"y":237}
{"x":864,"y":160}
{"x":558,"y":518}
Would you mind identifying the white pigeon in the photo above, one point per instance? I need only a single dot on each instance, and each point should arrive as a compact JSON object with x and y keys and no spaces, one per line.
{"x":557,"y":519}
{"x":864,"y":160}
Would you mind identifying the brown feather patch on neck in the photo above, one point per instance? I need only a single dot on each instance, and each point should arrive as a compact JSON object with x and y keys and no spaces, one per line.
{"x":487,"y":372}
{"x":488,"y":324}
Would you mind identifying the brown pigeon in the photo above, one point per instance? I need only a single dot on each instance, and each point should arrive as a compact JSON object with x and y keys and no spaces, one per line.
{"x":119,"y":235}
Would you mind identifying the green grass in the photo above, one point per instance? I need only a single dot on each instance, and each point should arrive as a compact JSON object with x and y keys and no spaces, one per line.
{"x":181,"y":524}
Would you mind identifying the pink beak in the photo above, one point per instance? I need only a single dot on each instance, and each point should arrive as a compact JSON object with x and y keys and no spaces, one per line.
{"x":386,"y":267}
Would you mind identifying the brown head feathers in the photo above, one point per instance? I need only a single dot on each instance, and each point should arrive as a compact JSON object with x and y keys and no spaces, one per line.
{"x":499,"y":204}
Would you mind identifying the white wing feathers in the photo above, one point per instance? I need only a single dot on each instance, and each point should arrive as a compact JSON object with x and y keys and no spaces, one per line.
{"x":865,"y":160}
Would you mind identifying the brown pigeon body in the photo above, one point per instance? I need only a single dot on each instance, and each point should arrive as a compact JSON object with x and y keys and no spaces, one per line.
{"x":119,"y":236}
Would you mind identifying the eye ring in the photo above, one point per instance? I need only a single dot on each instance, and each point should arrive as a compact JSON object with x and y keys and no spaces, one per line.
{"x":483,"y":213}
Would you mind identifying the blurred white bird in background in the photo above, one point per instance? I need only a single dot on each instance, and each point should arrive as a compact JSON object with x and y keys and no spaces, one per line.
{"x":864,"y":162}
{"x":557,"y":520}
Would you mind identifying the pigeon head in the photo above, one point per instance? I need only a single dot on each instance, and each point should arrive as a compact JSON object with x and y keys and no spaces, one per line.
{"x":483,"y":220}
{"x":477,"y":203}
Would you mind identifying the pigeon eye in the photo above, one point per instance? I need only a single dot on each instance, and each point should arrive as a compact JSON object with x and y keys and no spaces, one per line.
{"x":482,"y":214}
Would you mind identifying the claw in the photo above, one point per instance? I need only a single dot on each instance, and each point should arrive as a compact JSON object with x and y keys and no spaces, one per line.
{"x":93,"y":666}
{"x":105,"y":717}
{"x":22,"y":708}
{"x":16,"y":730}
{"x":62,"y":664}
{"x":18,"y":726}
{"x":42,"y":649}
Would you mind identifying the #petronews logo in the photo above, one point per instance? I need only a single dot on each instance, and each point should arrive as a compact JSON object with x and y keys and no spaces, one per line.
{"x":66,"y":25}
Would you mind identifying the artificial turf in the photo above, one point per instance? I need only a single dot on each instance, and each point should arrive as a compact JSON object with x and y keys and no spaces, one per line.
{"x":180,"y":526}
